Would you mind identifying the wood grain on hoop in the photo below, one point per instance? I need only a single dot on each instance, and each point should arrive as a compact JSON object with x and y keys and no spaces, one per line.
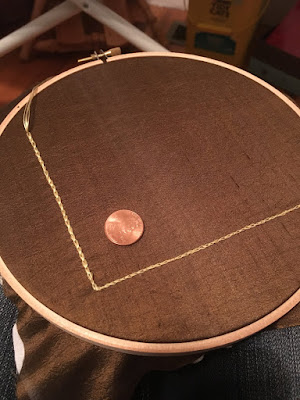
{"x":56,"y":78}
{"x":130,"y":345}
{"x":133,"y":347}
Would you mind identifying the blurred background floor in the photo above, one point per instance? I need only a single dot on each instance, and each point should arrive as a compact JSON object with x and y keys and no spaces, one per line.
{"x":16,"y":76}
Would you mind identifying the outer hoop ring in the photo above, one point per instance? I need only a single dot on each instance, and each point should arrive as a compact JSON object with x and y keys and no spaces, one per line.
{"x":130,"y":346}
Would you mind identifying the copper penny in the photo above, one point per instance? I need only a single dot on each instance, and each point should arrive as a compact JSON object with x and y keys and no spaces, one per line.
{"x":124,"y":227}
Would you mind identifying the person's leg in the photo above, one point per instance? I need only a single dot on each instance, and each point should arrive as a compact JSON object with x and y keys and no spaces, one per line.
{"x":265,"y":366}
{"x":59,"y":366}
{"x":8,"y":314}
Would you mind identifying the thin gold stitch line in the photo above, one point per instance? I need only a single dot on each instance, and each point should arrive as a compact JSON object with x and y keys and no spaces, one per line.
{"x":197,"y":249}
{"x":26,"y":122}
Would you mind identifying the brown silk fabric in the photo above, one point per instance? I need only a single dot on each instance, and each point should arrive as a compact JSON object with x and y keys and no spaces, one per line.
{"x":197,"y":151}
{"x":59,"y":366}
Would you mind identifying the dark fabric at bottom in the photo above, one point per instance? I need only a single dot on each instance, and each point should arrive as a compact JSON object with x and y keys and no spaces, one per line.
{"x":8,"y":315}
{"x":265,"y":366}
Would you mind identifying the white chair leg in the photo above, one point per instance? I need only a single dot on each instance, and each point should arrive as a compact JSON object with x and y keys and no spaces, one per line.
{"x":66,"y":10}
{"x":109,"y":18}
{"x":38,"y":26}
{"x":38,"y":8}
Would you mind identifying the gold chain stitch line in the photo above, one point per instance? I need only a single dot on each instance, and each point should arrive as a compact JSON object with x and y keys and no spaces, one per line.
{"x":26,"y":120}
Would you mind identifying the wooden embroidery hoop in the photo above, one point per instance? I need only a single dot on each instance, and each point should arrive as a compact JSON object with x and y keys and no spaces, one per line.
{"x":130,"y":346}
